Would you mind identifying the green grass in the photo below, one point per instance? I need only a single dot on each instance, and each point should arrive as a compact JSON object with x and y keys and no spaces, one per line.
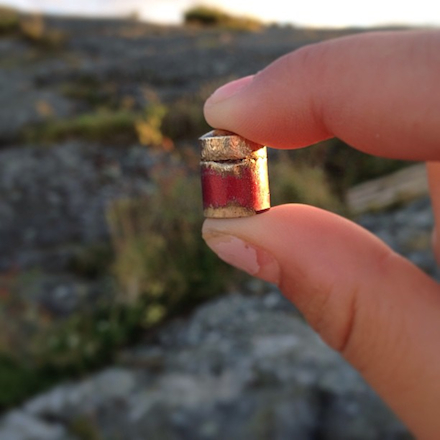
{"x":158,"y":125}
{"x":106,"y":127}
{"x":103,"y":126}
{"x":158,"y":267}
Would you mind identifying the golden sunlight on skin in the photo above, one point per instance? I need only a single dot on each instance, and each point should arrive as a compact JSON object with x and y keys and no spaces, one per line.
{"x":378,"y":92}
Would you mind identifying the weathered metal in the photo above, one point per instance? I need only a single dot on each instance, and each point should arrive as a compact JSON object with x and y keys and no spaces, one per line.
{"x":234,"y":176}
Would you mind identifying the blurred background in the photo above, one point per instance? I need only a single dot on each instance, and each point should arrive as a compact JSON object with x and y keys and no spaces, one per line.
{"x":116,"y":321}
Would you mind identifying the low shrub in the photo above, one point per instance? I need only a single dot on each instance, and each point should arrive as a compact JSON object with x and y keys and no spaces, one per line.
{"x":160,"y":254}
{"x":158,"y":266}
{"x":298,"y":182}
{"x":341,"y":166}
{"x":213,"y":17}
{"x":9,"y":20}
{"x":105,"y":126}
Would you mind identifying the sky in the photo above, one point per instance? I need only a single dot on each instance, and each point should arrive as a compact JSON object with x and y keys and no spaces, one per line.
{"x":320,"y":13}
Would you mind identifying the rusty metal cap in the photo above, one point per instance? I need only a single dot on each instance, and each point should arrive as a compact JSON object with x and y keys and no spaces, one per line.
{"x":219,"y":145}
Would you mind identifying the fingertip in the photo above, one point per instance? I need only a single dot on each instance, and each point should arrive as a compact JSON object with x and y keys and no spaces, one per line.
{"x":228,"y":90}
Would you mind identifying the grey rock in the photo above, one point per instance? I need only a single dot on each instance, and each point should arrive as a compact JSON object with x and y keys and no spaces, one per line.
{"x":54,"y":200}
{"x":407,"y":230}
{"x":21,"y":426}
{"x":243,"y":367}
{"x":239,"y":367}
{"x":22,"y":104}
{"x":68,"y":400}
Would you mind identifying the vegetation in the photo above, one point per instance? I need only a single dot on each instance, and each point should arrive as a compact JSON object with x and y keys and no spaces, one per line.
{"x":95,"y":127}
{"x":38,"y":351}
{"x":161,"y":235}
{"x":339,"y":165}
{"x":158,"y":125}
{"x":184,"y":119}
{"x":302,"y":183}
{"x":9,"y":20}
{"x":31,"y":27}
{"x":84,"y":428}
{"x":151,"y":237}
{"x":155,"y":264}
{"x":213,"y":17}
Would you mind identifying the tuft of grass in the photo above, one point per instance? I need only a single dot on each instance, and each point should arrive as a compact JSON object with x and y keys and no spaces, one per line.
{"x":9,"y":20}
{"x":37,"y":350}
{"x":297,"y":182}
{"x":347,"y":166}
{"x":158,"y":266}
{"x":104,"y":126}
{"x":341,"y":165}
{"x":213,"y":17}
{"x":157,"y":126}
{"x":160,"y":254}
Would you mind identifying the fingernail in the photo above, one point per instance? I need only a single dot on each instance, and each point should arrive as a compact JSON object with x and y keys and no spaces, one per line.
{"x":229,"y":90}
{"x":245,"y":256}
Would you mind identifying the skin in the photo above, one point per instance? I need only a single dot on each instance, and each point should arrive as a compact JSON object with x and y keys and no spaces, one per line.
{"x":380,"y":93}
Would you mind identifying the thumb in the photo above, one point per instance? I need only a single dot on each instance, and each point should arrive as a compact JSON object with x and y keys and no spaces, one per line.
{"x":367,"y":302}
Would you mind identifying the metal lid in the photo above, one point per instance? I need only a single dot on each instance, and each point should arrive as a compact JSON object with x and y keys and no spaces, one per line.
{"x":218,"y":145}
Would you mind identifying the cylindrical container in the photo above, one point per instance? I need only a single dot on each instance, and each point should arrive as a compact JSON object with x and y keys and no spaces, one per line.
{"x":234,"y":173}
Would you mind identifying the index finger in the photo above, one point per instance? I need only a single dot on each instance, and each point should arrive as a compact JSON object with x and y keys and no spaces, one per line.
{"x":379,"y":92}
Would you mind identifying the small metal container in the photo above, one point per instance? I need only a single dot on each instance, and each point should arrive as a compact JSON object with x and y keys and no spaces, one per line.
{"x":234,"y":175}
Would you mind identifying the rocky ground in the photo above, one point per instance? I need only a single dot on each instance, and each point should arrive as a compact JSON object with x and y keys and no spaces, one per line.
{"x":53,"y":200}
{"x":241,"y":366}
{"x":238,"y":367}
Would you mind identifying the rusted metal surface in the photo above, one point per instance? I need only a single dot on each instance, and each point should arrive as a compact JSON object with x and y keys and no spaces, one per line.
{"x":234,"y":176}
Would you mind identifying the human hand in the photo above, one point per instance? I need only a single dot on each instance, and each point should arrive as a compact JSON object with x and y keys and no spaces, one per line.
{"x":380,"y":93}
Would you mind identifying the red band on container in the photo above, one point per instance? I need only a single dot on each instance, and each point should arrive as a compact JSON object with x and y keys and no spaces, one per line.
{"x":245,"y":188}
